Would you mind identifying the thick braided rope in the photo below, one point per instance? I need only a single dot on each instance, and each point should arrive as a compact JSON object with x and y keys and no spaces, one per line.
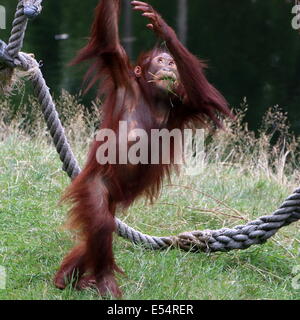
{"x":240,"y":237}
{"x":15,"y":42}
{"x":25,"y":9}
{"x":41,"y":90}
{"x":70,"y":165}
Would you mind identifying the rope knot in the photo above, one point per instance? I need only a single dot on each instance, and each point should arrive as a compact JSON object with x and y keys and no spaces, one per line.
{"x":5,"y":59}
{"x":24,"y":67}
{"x":32,"y":8}
{"x":194,"y":241}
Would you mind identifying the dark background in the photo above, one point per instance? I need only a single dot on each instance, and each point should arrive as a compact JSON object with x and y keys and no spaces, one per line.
{"x":250,"y":46}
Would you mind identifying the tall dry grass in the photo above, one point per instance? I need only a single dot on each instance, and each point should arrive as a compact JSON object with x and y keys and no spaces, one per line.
{"x":272,"y":150}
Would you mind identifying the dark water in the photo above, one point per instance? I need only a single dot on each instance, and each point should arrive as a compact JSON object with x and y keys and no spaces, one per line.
{"x":250,"y":45}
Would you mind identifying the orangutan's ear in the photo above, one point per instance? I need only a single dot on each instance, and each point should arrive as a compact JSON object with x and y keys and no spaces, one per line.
{"x":138,"y":71}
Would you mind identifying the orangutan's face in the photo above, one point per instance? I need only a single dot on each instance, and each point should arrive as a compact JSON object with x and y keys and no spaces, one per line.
{"x":163,"y":72}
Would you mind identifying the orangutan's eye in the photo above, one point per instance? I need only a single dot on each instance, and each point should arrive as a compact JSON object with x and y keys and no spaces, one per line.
{"x":160,"y":60}
{"x":172,"y":63}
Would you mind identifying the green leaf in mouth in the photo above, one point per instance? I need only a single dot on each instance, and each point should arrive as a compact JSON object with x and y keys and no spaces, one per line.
{"x":168,"y":78}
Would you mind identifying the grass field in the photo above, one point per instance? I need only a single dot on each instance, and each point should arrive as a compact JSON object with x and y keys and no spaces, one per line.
{"x":33,"y":240}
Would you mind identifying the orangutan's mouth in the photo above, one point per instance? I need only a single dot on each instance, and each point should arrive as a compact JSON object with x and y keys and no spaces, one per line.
{"x":166,"y":80}
{"x":167,"y":76}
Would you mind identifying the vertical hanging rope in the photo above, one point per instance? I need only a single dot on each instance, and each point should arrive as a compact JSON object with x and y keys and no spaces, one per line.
{"x":70,"y":165}
{"x":19,"y":26}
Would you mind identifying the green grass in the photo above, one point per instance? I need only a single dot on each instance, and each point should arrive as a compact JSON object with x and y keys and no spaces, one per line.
{"x":33,"y":241}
